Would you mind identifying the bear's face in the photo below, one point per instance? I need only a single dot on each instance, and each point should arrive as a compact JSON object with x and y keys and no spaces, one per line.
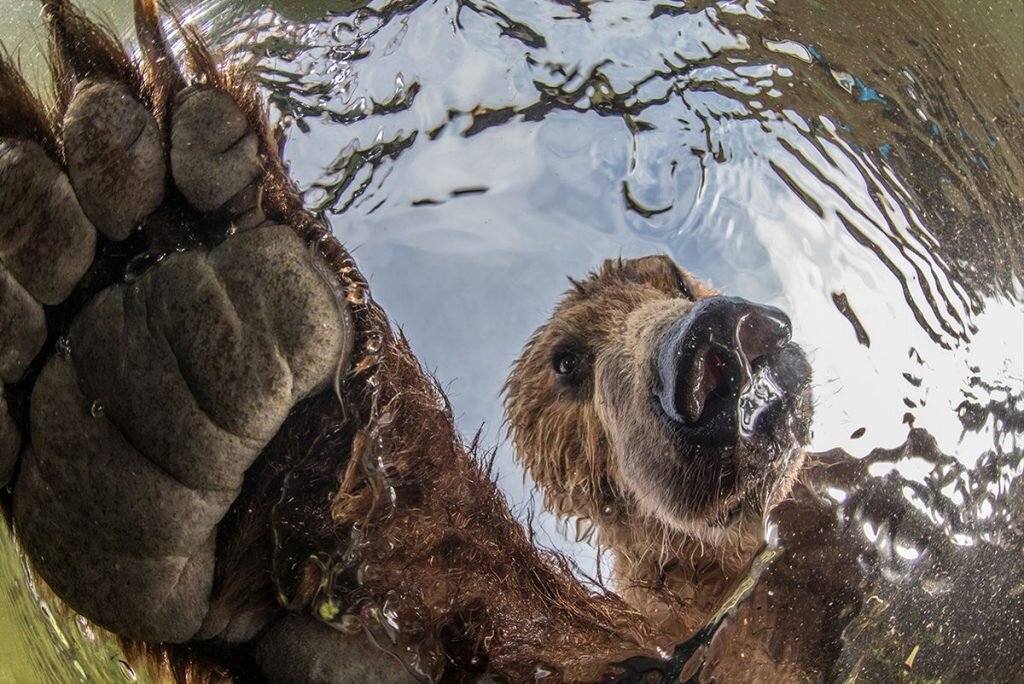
{"x":649,"y":394}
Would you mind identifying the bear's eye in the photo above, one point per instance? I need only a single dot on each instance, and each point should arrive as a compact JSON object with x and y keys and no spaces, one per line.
{"x":565,"y":363}
{"x":684,"y":287}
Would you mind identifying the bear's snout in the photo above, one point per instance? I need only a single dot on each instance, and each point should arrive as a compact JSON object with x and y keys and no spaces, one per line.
{"x":707,"y":359}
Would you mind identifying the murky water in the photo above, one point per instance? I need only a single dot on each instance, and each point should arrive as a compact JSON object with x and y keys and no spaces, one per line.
{"x":859,"y":165}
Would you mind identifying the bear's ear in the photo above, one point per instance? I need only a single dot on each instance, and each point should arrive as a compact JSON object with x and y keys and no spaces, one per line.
{"x":652,"y":266}
{"x":641,"y":268}
{"x":658,"y":270}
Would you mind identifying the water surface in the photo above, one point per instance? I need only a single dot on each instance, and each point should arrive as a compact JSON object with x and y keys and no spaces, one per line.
{"x":859,"y":165}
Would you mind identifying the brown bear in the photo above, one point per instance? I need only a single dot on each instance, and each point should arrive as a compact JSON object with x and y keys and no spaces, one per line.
{"x":673,"y":418}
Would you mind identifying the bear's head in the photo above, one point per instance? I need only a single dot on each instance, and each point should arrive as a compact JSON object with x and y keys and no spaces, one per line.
{"x":650,"y":398}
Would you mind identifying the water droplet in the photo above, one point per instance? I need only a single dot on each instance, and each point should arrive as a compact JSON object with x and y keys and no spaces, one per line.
{"x":543,"y":672}
{"x":351,"y":624}
{"x":771,"y":533}
{"x":759,"y":395}
{"x":96,"y":409}
{"x":63,"y":347}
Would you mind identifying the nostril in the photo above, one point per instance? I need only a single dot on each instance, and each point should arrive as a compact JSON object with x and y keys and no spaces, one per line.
{"x":761,"y":331}
{"x":707,"y":373}
{"x":708,"y":353}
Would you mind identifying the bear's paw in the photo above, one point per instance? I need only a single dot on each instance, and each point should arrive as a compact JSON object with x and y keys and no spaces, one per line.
{"x":156,"y":326}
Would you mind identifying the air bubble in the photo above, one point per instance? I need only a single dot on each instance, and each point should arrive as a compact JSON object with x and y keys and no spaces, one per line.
{"x":351,"y":624}
{"x":86,"y":629}
{"x":389,"y":617}
{"x":139,"y":264}
{"x":97,"y":409}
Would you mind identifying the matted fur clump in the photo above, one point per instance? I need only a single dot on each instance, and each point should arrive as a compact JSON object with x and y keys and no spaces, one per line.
{"x":210,"y":435}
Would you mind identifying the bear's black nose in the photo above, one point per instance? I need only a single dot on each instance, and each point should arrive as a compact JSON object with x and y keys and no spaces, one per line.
{"x":709,"y":352}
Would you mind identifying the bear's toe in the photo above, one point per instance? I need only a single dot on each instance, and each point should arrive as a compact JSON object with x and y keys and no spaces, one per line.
{"x":214,"y":153}
{"x":46,"y":241}
{"x":115,"y":156}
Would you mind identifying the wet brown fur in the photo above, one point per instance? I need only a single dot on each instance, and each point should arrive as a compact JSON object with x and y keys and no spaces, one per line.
{"x":396,"y":522}
{"x":81,"y":48}
{"x":23,"y":114}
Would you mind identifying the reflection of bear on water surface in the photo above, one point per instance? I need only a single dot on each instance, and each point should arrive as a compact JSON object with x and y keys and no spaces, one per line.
{"x":672,"y":418}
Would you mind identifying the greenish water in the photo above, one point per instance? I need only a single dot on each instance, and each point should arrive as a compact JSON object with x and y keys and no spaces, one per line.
{"x":475,"y":153}
{"x":40,"y":642}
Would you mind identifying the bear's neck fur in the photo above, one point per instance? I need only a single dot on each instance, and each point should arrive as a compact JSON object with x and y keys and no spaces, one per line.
{"x":673,"y":578}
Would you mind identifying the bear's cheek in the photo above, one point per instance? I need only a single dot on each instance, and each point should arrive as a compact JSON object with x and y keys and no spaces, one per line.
{"x":644,"y":459}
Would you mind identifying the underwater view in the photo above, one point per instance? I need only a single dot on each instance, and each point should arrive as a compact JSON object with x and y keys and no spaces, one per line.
{"x":860,"y":166}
